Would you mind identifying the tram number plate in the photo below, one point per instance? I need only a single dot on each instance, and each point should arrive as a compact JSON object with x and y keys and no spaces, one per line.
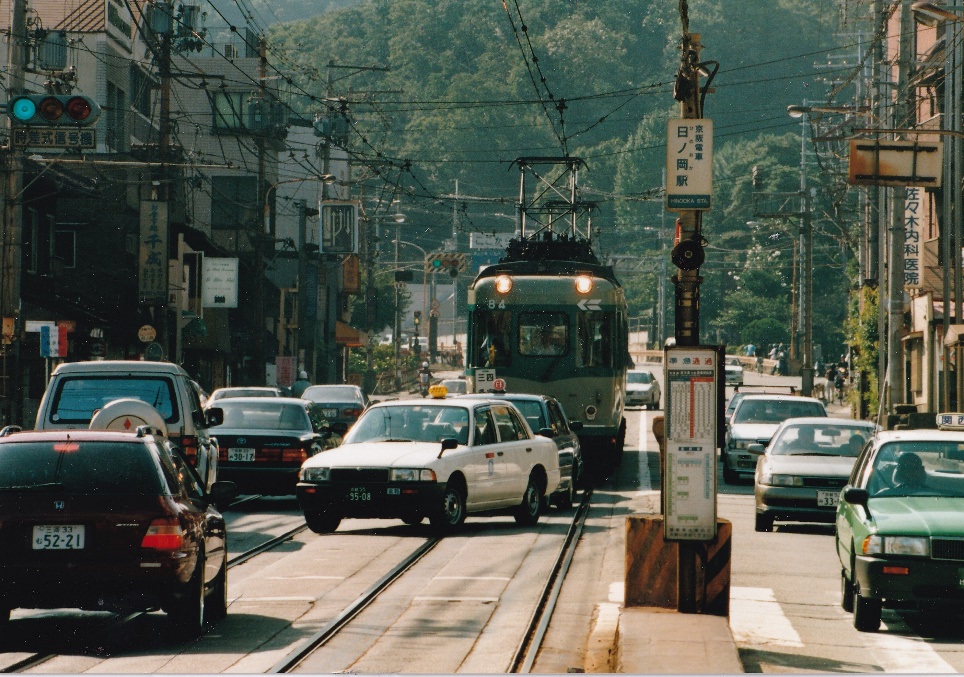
{"x":828,"y":499}
{"x":359,"y":494}
{"x":58,"y":537}
{"x":245,"y":454}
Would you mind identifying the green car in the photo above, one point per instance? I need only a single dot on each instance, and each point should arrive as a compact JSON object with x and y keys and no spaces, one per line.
{"x":900,"y":525}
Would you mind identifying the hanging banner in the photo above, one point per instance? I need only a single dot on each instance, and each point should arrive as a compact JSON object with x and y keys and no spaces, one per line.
{"x":913,"y":252}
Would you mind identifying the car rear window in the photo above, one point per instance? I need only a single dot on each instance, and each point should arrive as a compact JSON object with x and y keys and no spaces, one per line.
{"x":263,"y":415}
{"x":641,"y":377}
{"x":77,"y":398}
{"x":775,"y":411}
{"x":330,"y":394}
{"x":533,"y":413}
{"x":79,"y":468}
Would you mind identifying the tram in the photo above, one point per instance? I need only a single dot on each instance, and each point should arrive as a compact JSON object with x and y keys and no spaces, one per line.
{"x":549,"y":318}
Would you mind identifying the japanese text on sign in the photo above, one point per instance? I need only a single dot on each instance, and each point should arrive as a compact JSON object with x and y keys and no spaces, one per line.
{"x":912,"y":232}
{"x":53,"y":137}
{"x":152,"y":272}
{"x":689,"y":164}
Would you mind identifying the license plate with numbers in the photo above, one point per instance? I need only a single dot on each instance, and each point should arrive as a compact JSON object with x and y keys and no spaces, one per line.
{"x":58,"y":537}
{"x":243,"y":454}
{"x":329,"y":413}
{"x":828,"y":499}
{"x":359,"y":494}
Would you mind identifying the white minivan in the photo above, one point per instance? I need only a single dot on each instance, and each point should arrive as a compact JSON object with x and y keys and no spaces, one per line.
{"x":79,"y":390}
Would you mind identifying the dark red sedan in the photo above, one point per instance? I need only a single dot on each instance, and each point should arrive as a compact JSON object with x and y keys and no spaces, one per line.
{"x":109,"y":521}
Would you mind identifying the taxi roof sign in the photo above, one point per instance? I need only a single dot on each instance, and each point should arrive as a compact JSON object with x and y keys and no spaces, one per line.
{"x":438,"y":391}
{"x":950,"y":421}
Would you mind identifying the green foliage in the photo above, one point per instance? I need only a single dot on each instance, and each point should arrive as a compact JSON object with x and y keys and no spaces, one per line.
{"x":865,"y":341}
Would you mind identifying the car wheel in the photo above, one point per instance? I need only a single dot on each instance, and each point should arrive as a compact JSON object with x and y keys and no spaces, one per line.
{"x":217,"y":605}
{"x":321,"y":522}
{"x":846,"y":592}
{"x":866,"y":612}
{"x":186,"y":613}
{"x":450,"y":514}
{"x":528,"y":511}
{"x":412,"y":520}
{"x":567,"y":497}
{"x":764,"y":522}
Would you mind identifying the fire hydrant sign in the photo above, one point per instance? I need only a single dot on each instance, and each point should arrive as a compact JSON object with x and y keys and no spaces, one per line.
{"x":689,"y":164}
{"x":689,"y":505}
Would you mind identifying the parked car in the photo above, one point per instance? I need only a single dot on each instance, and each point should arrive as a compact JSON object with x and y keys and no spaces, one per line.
{"x":899,"y":527}
{"x":733,"y":371}
{"x":803,"y":469}
{"x":264,"y":440}
{"x":642,"y":388}
{"x":754,"y":421}
{"x":245,"y":391}
{"x":113,"y":521}
{"x":546,"y":417}
{"x":339,"y":403}
{"x":437,"y":458}
{"x":78,"y":389}
{"x":455,"y":386}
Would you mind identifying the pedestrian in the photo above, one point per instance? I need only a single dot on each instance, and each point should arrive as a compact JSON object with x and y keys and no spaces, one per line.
{"x":829,"y":386}
{"x":783,"y":363}
{"x":750,"y":350}
{"x":299,"y":387}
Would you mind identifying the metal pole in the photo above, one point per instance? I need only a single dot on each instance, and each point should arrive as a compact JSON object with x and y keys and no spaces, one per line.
{"x":806,"y":266}
{"x":396,"y":334}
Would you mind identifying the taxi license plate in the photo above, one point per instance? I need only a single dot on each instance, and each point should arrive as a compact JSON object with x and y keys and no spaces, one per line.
{"x":746,"y":464}
{"x":329,"y":413}
{"x":243,"y":454}
{"x":58,"y":537}
{"x":828,"y":499}
{"x":359,"y":494}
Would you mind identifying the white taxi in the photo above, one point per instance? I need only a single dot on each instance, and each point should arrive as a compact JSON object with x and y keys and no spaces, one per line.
{"x":437,"y":458}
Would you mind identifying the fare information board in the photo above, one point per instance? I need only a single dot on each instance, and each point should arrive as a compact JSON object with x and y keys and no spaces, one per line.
{"x":689,"y":505}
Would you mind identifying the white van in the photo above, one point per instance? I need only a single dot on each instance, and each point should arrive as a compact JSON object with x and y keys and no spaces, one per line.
{"x":78,"y":390}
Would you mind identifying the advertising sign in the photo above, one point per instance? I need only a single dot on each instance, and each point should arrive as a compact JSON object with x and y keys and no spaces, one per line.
{"x":339,"y":227}
{"x":913,"y":251}
{"x":219,"y":283}
{"x":153,"y":266}
{"x":689,"y":505}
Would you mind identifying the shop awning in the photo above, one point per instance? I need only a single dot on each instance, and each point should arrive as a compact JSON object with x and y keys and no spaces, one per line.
{"x":346,"y":335}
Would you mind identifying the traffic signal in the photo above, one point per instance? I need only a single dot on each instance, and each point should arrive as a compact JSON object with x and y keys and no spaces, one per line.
{"x":418,"y":317}
{"x":53,"y":110}
{"x":438,"y":262}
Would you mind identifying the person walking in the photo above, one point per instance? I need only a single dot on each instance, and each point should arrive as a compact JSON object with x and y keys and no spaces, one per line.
{"x":301,"y":385}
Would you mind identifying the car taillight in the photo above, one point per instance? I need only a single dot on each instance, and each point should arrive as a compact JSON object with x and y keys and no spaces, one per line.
{"x":295,"y":455}
{"x":354,"y":413}
{"x":164,"y":534}
{"x":189,"y":449}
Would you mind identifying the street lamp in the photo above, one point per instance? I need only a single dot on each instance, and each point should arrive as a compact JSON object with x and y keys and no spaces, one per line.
{"x":399,"y":219}
{"x":806,"y":253}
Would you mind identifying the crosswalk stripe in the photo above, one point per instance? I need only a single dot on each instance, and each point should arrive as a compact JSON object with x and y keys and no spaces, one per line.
{"x":900,"y":653}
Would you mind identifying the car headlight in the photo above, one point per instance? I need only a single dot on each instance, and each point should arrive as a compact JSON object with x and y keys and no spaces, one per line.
{"x":315,"y":474}
{"x":411,"y":475}
{"x":739,"y":444}
{"x":917,"y":546}
{"x":785,"y":481}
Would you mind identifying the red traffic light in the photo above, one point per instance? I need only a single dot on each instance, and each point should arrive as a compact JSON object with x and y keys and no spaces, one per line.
{"x":53,"y":110}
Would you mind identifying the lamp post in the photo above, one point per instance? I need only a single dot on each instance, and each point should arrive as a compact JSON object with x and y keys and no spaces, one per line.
{"x":399,"y":219}
{"x":805,"y":318}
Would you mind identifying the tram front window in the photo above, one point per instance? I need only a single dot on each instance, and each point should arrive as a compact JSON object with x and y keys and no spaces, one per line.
{"x":594,"y":330}
{"x":493,"y":337}
{"x":543,"y":334}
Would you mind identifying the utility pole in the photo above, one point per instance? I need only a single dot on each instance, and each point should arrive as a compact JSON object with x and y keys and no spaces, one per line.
{"x":256,"y":370}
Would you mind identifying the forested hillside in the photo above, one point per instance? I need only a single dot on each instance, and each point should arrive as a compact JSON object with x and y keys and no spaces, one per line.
{"x":470,"y":86}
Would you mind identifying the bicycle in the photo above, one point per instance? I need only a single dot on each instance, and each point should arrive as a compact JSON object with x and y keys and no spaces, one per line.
{"x":840,"y":387}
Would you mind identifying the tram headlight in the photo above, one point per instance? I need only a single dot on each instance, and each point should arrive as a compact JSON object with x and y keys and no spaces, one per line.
{"x":583,"y":284}
{"x":503,"y":284}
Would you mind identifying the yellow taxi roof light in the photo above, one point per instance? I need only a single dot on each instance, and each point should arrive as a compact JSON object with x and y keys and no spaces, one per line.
{"x":438,"y":392}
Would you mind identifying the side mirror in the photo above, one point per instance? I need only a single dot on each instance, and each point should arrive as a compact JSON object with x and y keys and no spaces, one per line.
{"x":756,"y":448}
{"x":448,"y":443}
{"x":546,"y":432}
{"x":223,"y":493}
{"x":214,"y":416}
{"x":575,"y":426}
{"x":856,"y":496}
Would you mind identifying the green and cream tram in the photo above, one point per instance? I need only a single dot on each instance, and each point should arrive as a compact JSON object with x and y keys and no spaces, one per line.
{"x":556,"y":327}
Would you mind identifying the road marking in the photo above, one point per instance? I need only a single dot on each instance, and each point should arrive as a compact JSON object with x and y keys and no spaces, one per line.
{"x":757,"y":618}
{"x":306,"y":578}
{"x":486,"y":600}
{"x":899,"y":653}
{"x":472,"y":578}
{"x":246,"y":600}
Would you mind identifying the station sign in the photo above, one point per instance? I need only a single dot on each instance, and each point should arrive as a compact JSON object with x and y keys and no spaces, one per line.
{"x":485,"y":380}
{"x":692,"y":395}
{"x":689,"y":164}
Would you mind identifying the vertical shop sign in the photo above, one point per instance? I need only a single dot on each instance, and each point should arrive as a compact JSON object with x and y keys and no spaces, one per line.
{"x":153,"y":267}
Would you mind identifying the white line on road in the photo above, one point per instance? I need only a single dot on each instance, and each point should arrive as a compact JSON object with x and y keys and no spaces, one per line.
{"x":472,"y":578}
{"x":900,"y":653}
{"x":757,"y":618}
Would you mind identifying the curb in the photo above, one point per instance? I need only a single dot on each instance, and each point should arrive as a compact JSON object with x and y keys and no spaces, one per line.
{"x":601,"y":649}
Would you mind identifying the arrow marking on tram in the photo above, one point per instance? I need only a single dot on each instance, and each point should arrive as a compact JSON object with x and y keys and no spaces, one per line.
{"x":590,"y":304}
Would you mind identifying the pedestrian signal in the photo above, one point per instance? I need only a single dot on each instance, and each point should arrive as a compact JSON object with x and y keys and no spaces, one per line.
{"x":53,"y":110}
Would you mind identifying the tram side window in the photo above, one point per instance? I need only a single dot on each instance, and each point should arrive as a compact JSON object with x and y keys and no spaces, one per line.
{"x":543,"y":334}
{"x":595,"y":336}
{"x":493,"y":337}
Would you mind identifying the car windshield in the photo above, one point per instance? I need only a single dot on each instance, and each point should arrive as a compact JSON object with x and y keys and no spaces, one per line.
{"x":330,"y":394}
{"x":775,"y":411}
{"x":918,"y":468}
{"x":817,"y":439}
{"x":411,"y":422}
{"x":78,"y":398}
{"x":265,"y":415}
{"x":455,"y":385}
{"x":79,"y":468}
{"x":643,"y":377}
